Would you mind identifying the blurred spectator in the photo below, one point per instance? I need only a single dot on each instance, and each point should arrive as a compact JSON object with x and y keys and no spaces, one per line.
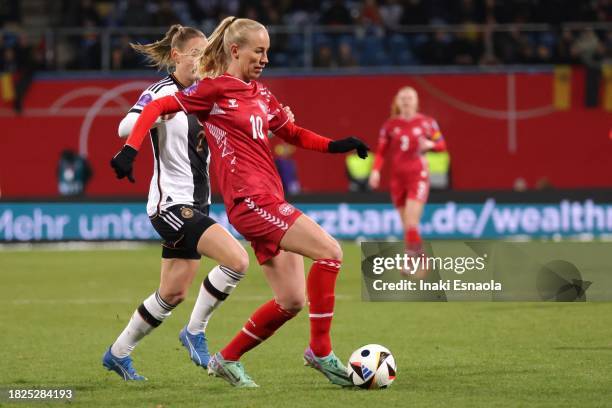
{"x":345,"y":56}
{"x":370,"y":14}
{"x":512,"y":47}
{"x":28,"y":61}
{"x":564,"y":47}
{"x":391,"y":13}
{"x":89,"y":51}
{"x":324,"y":57}
{"x":587,"y":48}
{"x":123,"y":56}
{"x":590,"y":52}
{"x":73,"y":174}
{"x":20,"y":60}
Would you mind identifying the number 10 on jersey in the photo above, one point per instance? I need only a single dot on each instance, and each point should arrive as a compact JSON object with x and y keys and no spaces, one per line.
{"x":257,"y":127}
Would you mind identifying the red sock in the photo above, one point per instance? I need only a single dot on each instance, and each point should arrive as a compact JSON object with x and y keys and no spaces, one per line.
{"x":413,"y":240}
{"x":262,"y":324}
{"x":321,"y":286}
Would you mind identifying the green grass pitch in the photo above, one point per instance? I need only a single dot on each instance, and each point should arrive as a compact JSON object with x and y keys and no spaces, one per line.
{"x":62,"y":309}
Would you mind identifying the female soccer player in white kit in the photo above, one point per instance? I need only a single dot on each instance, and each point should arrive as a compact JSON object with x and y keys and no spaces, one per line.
{"x":178,"y":203}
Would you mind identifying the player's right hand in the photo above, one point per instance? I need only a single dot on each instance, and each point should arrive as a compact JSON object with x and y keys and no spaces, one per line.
{"x":123,"y":162}
{"x":374,"y":179}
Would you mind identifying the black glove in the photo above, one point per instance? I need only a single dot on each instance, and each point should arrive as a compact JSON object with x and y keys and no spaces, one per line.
{"x":348,"y":144}
{"x":123,"y":161}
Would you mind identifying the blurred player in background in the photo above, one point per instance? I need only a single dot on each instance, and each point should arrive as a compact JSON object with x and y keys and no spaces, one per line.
{"x":238,"y":112}
{"x":178,"y":204}
{"x":408,"y":135}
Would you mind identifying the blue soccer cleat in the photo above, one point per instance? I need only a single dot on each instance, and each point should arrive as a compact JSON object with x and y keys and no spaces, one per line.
{"x":122,"y":366}
{"x":197,"y":347}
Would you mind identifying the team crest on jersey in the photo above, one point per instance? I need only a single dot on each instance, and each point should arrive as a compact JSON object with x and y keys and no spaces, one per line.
{"x":396,"y":130}
{"x":286,"y":209}
{"x":190,"y":90}
{"x":144,"y":100}
{"x":186,"y":212}
{"x":232,"y":103}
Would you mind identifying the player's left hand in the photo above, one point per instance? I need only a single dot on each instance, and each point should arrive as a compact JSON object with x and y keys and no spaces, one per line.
{"x":290,"y":114}
{"x":348,"y":144}
{"x":123,"y":162}
{"x":426,"y":145}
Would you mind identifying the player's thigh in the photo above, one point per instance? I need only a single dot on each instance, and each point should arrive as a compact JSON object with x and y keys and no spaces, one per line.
{"x":176,"y":276}
{"x":218,"y":244}
{"x":308,"y":238}
{"x":285,"y":275}
{"x":413,"y":210}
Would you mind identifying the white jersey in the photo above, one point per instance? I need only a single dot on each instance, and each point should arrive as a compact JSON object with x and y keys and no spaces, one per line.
{"x":180,"y":169}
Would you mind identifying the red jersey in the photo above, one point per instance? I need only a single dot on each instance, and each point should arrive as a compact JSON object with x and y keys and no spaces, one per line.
{"x":402,"y":136}
{"x":237,"y":117}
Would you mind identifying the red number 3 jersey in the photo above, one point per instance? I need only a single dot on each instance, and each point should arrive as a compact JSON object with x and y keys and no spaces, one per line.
{"x":237,"y":117}
{"x":402,"y":138}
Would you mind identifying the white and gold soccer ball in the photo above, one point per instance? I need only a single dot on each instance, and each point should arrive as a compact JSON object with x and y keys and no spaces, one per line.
{"x":372,"y":366}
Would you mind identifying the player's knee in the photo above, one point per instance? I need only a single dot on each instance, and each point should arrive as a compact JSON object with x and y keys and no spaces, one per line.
{"x":333,"y":251}
{"x":239,"y":262}
{"x":175,"y":298}
{"x":293,"y":303}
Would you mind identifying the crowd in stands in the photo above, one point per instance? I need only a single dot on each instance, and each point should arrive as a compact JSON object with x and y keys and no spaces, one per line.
{"x":326,"y":34}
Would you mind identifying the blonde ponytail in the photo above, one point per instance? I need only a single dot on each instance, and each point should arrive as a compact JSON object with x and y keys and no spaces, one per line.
{"x":158,"y":54}
{"x":231,"y":30}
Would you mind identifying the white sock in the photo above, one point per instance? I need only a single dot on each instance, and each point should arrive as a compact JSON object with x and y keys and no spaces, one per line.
{"x":217,"y":286}
{"x":150,"y":314}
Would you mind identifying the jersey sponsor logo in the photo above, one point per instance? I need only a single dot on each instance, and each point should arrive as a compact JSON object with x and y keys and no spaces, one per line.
{"x":286,"y":209}
{"x":144,"y":100}
{"x":186,"y":212}
{"x":216,"y":110}
{"x":417,"y":131}
{"x":232,"y":103}
{"x":190,"y":90}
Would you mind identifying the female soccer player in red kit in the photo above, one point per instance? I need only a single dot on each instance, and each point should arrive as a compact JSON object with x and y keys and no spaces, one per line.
{"x":408,"y":134}
{"x":237,"y":113}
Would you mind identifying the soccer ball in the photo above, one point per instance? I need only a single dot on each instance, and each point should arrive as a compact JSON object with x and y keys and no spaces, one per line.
{"x":372,"y":366}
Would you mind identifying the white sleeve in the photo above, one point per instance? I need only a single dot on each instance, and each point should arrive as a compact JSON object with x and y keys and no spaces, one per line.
{"x":127,"y":123}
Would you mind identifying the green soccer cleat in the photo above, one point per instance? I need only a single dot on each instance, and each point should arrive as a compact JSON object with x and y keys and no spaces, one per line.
{"x":231,"y":371}
{"x":330,"y":366}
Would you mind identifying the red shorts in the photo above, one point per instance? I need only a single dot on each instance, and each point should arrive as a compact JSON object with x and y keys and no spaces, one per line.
{"x":263,"y":220}
{"x":415,"y":187}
